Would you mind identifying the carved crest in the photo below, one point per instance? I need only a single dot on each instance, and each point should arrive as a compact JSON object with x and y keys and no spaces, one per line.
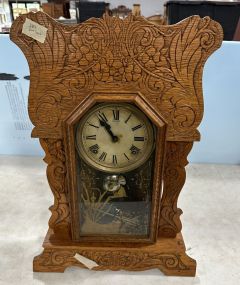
{"x":164,"y":63}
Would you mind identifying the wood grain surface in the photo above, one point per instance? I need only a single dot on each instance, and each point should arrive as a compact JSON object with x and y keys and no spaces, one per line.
{"x":159,"y":68}
{"x":164,"y":63}
{"x":167,"y":255}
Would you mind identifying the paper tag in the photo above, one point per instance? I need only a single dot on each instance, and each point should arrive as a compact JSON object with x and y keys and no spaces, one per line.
{"x":34,"y":30}
{"x":86,"y":261}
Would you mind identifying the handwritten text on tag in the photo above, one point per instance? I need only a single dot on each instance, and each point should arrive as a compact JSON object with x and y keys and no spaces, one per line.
{"x":34,"y":30}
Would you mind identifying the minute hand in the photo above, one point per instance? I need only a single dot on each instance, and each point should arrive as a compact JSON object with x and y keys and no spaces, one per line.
{"x":108,"y":129}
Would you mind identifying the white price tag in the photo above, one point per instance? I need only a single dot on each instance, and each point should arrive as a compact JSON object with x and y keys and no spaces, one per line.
{"x":34,"y":30}
{"x":86,"y":261}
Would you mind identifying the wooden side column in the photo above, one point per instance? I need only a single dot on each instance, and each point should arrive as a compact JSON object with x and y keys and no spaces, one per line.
{"x":173,"y":181}
{"x":56,"y":175}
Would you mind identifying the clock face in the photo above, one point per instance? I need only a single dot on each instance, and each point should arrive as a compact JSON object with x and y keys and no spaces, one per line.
{"x":115,"y":137}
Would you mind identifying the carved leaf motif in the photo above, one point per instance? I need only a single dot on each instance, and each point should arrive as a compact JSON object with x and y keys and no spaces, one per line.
{"x":170,"y":263}
{"x":42,"y":54}
{"x":183,"y":101}
{"x":163,"y":62}
{"x":51,"y":102}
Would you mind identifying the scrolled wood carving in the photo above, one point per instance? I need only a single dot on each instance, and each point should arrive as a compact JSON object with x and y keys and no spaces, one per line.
{"x":59,"y":260}
{"x":163,"y":62}
{"x":174,"y":179}
{"x":56,"y":174}
{"x":134,"y":261}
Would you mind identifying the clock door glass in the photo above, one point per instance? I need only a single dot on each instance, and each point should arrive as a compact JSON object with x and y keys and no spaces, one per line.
{"x":115,"y":146}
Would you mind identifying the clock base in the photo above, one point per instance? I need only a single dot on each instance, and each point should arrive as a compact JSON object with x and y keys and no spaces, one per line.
{"x":167,"y":254}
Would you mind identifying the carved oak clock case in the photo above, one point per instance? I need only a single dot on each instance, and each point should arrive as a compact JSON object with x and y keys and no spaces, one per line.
{"x":116,"y":105}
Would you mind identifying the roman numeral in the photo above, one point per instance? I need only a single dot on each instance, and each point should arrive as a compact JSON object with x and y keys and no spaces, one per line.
{"x":126,"y":156}
{"x":139,"y":139}
{"x":93,"y":125}
{"x":102,"y":157}
{"x":115,"y":115}
{"x":136,"y":127}
{"x":102,"y":116}
{"x":134,"y":150}
{"x":94,"y":148}
{"x":128,"y":118}
{"x":114,"y":159}
{"x":92,"y":137}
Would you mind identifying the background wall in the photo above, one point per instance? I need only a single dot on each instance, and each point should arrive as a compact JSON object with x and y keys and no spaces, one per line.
{"x":220,"y":128}
{"x":148,"y":8}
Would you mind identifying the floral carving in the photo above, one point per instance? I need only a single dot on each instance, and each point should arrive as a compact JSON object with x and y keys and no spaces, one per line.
{"x":163,"y":62}
{"x":169,"y":263}
{"x":134,"y":260}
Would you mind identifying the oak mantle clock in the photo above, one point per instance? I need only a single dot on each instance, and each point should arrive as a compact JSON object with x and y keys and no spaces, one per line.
{"x":116,"y":105}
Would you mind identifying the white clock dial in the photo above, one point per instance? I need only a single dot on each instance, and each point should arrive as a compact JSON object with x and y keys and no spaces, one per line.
{"x":115,"y":137}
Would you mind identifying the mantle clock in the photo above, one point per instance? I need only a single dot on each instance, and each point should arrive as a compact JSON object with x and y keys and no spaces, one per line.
{"x":116,"y":105}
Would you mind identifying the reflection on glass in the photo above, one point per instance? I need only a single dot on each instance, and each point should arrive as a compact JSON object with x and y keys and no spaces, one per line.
{"x":115,"y":203}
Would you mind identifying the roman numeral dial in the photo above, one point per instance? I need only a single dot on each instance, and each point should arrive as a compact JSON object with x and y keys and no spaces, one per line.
{"x":114,"y":138}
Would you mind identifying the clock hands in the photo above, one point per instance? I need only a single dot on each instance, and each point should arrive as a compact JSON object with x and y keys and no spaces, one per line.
{"x":108,"y":129}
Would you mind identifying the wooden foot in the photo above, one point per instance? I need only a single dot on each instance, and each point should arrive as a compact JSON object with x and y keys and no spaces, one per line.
{"x":168,"y":255}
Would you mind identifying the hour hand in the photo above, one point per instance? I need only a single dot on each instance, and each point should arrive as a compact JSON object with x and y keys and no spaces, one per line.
{"x":108,"y":129}
{"x":104,"y":124}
